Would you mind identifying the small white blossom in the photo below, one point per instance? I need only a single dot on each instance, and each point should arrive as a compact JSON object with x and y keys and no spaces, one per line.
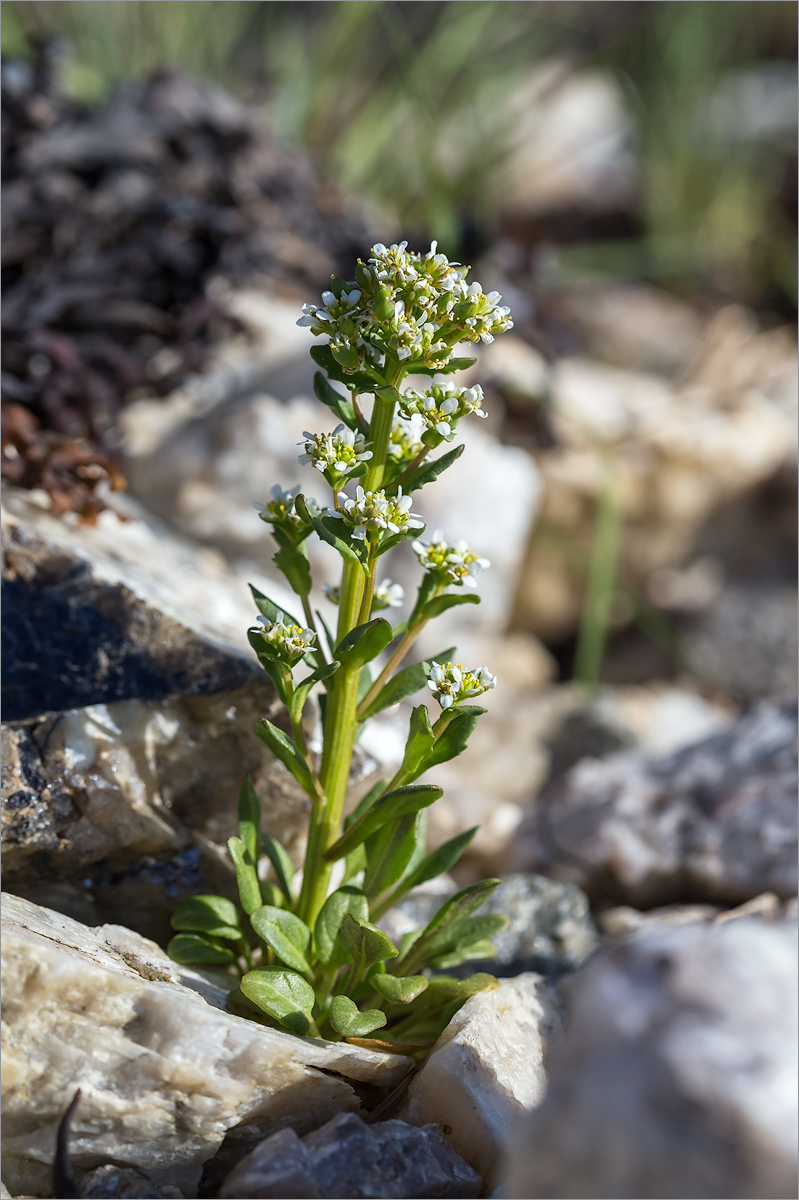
{"x":388,"y":595}
{"x":450,"y":562}
{"x":289,"y":641}
{"x":339,"y":452}
{"x":280,"y":509}
{"x":451,"y":683}
{"x":405,"y":440}
{"x":372,"y":512}
{"x":442,"y":406}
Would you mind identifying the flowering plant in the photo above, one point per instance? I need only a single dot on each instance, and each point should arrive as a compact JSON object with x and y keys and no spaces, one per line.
{"x":308,"y":952}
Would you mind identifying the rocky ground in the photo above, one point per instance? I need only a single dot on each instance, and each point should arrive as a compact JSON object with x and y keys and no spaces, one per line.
{"x":642,"y":1041}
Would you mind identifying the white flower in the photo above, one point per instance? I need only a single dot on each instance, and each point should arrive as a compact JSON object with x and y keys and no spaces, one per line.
{"x":388,"y":595}
{"x":290,"y":642}
{"x":372,"y":512}
{"x":450,"y":562}
{"x":412,"y":303}
{"x":280,"y":509}
{"x":405,"y":440}
{"x":339,"y":452}
{"x":451,"y":683}
{"x":442,"y":406}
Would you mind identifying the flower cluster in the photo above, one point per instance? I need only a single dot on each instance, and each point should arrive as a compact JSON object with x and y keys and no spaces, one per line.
{"x":450,"y":562}
{"x":416,"y":306}
{"x":374,"y":512}
{"x":405,"y":439}
{"x":451,"y":683}
{"x":442,"y":406}
{"x":289,"y":642}
{"x":281,"y":513}
{"x":338,"y":453}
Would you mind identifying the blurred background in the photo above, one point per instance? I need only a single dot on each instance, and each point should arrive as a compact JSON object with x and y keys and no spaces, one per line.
{"x":180,"y":177}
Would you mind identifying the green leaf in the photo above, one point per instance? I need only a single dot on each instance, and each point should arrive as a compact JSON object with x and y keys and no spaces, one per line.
{"x":282,"y":994}
{"x":342,"y":406}
{"x":428,"y":471}
{"x":394,"y":540}
{"x":277,"y":671}
{"x":364,"y":642}
{"x":302,"y":689}
{"x":334,"y":532}
{"x":388,"y":853}
{"x":466,"y":932}
{"x":463,"y":904}
{"x":364,"y":943}
{"x":281,"y":863}
{"x":349,"y":1022}
{"x":196,"y":948}
{"x":448,"y":985}
{"x":409,"y":939}
{"x":208,"y":914}
{"x":390,"y":807}
{"x":246,"y":875}
{"x":249,"y":813}
{"x":289,"y":937}
{"x":440,"y":861}
{"x":354,"y":863}
{"x":405,"y":683}
{"x":364,"y":682}
{"x":284,"y":748}
{"x":399,"y":991}
{"x":269,"y":609}
{"x":453,"y":739}
{"x":420,"y":743}
{"x":347,"y":899}
{"x":477,"y":951}
{"x":360,"y":381}
{"x":440,"y":604}
{"x":294,"y":564}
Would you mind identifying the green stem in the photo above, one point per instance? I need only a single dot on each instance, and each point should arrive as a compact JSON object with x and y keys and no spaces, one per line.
{"x":342,"y":698}
{"x":309,"y":617}
{"x":403,"y":646}
{"x":368,"y":592}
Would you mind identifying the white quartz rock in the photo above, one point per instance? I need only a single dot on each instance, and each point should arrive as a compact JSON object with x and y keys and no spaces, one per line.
{"x":487,"y":1070}
{"x":164,"y":1071}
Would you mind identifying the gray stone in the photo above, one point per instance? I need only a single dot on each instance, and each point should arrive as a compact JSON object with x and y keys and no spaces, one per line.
{"x":677,"y":1073}
{"x":550,"y":929}
{"x":487,"y":1069}
{"x":164,"y":1070}
{"x":746,"y":644}
{"x":714,"y":822}
{"x":124,"y":1183}
{"x":347,"y":1158}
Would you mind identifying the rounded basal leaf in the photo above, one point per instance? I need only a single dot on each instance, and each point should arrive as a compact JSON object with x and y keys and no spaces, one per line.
{"x":283,"y":995}
{"x":365,"y":943}
{"x":285,"y":933}
{"x":346,"y":900}
{"x":399,"y":991}
{"x":194,"y":948}
{"x":215,"y":915}
{"x":349,"y":1022}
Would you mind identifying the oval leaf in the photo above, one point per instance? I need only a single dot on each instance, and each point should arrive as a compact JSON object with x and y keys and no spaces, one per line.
{"x":208,"y":914}
{"x":364,"y":943}
{"x":194,"y":948}
{"x":287,"y":934}
{"x":448,"y":985}
{"x":364,"y":642}
{"x":388,"y":853}
{"x":283,"y":995}
{"x":347,"y":899}
{"x":349,"y":1022}
{"x":246,"y":875}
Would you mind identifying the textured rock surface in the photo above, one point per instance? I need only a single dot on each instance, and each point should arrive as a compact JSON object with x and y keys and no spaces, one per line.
{"x":124,"y":1183}
{"x":715,"y":821}
{"x":123,"y":611}
{"x":677,"y":1073}
{"x":486,"y":1070}
{"x":550,"y":928}
{"x":164,"y":1071}
{"x":348,"y":1158}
